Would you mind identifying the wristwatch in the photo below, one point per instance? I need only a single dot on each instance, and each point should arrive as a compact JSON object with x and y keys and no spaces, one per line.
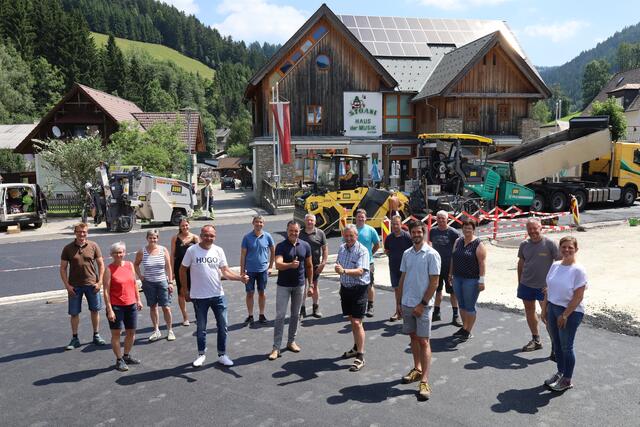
{"x":425,"y":303}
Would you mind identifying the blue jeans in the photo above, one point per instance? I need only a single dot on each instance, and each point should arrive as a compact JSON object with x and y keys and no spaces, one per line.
{"x":94,"y":300}
{"x":256,"y":279}
{"x":219,"y":307}
{"x":563,"y":338}
{"x":467,"y":292}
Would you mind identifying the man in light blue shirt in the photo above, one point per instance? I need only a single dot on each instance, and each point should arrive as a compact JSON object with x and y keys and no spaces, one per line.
{"x":368,"y":237}
{"x":420,"y":269}
{"x":256,"y":260}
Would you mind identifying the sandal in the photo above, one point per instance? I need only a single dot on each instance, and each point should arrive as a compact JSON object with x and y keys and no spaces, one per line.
{"x":357,"y":365}
{"x":350,"y":353}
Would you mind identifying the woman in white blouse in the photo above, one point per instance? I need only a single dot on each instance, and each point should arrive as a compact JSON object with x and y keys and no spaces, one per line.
{"x":563,"y":311}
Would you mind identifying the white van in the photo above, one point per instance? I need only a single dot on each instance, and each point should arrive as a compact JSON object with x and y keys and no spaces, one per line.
{"x":22,"y":204}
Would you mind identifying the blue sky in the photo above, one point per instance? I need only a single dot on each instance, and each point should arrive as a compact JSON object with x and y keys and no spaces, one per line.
{"x":551,"y":32}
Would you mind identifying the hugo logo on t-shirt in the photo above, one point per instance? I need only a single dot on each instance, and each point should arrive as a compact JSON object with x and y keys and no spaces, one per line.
{"x":206,"y":260}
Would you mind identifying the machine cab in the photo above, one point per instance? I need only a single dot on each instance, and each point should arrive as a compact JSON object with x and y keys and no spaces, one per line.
{"x":333,"y":172}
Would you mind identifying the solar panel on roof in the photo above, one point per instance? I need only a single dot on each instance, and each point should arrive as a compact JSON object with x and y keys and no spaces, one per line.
{"x":414,"y":23}
{"x":388,"y":22}
{"x":451,"y":25}
{"x":362,"y":21}
{"x":405,"y":36}
{"x":426,"y":24}
{"x":419,"y":36}
{"x":366,"y":34}
{"x":423,"y":50}
{"x":401,"y":23}
{"x":348,"y":20}
{"x":396,"y":49}
{"x":393,"y":35}
{"x":380,"y":35}
{"x":438,"y":24}
{"x":383,"y":49}
{"x":464,"y":26}
{"x":445,"y":37}
{"x":410,"y":49}
{"x":375,"y":22}
{"x":370,"y":47}
{"x":355,"y":32}
{"x":432,"y":37}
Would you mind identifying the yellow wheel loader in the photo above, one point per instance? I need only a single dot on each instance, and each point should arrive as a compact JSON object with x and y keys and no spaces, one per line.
{"x":337,"y":191}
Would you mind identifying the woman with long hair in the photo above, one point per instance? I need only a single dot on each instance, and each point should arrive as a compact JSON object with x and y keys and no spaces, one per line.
{"x":179,"y":245}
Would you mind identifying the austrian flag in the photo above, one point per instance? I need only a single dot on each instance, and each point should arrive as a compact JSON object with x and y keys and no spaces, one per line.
{"x":281,"y":113}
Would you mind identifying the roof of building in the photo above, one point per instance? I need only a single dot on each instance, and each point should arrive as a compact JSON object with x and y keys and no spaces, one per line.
{"x":222,"y":132}
{"x":229,"y":163}
{"x":119,"y":109}
{"x":323,"y":11}
{"x":12,"y":135}
{"x":627,"y":78}
{"x":455,"y":64}
{"x":191,"y":124}
{"x":411,"y":73}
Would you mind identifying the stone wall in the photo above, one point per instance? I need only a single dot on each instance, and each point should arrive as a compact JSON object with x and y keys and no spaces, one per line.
{"x":264,"y":163}
{"x":450,"y":125}
{"x":528,"y":129}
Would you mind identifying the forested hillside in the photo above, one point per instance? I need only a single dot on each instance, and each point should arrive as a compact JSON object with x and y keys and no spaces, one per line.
{"x":46,"y":46}
{"x":569,"y":76}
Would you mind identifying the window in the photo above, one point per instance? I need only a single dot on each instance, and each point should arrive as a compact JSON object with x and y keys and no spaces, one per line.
{"x":296,"y":55}
{"x":319,"y":32}
{"x":285,"y":67}
{"x":306,"y":46}
{"x":314,"y":115}
{"x":503,"y":112}
{"x":636,"y":157}
{"x":398,"y":114}
{"x":472,"y":112}
{"x":323,"y":62}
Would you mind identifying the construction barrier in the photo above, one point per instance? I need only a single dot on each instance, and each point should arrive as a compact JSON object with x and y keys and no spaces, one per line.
{"x":386,"y":228}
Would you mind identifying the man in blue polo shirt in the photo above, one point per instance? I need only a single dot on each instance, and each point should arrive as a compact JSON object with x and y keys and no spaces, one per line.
{"x":256,"y":260}
{"x":294,"y":265}
{"x":368,"y":237}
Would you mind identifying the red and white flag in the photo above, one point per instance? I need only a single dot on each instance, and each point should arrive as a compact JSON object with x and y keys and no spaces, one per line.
{"x":281,"y":112}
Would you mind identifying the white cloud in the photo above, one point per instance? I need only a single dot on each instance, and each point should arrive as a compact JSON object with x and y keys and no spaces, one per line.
{"x":190,"y":7}
{"x":557,"y":31}
{"x":251,"y":20}
{"x":460,"y":4}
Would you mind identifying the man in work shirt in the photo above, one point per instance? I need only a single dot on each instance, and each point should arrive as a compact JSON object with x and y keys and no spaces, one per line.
{"x":395,"y":244}
{"x":368,"y":237}
{"x":256,"y":260}
{"x":319,"y":255}
{"x":535,"y":256}
{"x":205,"y":262}
{"x":293,"y":261}
{"x":418,"y":294}
{"x":442,"y":239}
{"x":352,"y":265}
{"x":80,"y":257}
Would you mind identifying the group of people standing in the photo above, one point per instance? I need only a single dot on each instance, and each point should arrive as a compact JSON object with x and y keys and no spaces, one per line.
{"x":421,"y":264}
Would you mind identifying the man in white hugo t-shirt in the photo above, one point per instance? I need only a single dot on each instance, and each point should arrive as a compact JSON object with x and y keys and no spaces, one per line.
{"x":207,"y":261}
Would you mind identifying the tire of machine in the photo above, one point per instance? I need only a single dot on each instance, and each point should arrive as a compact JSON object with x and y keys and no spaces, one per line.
{"x":538,"y":203}
{"x":558,"y":202}
{"x":581,"y":198}
{"x":628,"y":196}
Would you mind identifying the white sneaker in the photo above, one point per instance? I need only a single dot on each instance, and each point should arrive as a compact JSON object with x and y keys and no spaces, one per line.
{"x":224,"y":360}
{"x":155,"y":336}
{"x":199,"y":361}
{"x":171,"y":336}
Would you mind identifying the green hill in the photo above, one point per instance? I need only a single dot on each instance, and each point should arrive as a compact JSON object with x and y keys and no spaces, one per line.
{"x":569,"y":75}
{"x":158,"y":52}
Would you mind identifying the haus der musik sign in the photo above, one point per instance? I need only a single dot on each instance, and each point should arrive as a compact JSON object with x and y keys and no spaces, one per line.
{"x":363,"y":114}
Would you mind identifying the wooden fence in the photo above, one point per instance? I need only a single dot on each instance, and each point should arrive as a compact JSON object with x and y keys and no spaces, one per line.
{"x":274,"y":198}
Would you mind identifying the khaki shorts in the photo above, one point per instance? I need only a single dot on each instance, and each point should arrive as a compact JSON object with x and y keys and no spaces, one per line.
{"x":421,"y":326}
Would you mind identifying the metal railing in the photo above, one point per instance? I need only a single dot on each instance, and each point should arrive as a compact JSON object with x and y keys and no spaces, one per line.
{"x":277,"y":197}
{"x":65,"y":205}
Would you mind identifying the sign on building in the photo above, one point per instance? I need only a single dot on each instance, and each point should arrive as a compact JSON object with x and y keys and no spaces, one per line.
{"x":363,"y":114}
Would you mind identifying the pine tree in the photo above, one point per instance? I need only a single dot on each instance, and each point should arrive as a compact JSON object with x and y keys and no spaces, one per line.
{"x":114,"y":68}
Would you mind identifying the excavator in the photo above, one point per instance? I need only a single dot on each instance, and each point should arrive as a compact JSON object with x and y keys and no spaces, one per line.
{"x":338,"y":189}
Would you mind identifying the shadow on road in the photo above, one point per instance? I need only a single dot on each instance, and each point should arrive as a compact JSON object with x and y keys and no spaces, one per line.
{"x":73,"y":377}
{"x":525,"y":401}
{"x":307,"y":369}
{"x":369,"y":393}
{"x":502,"y":360}
{"x":31,"y":354}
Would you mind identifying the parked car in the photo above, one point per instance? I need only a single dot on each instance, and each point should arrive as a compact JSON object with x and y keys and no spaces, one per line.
{"x":22,"y":204}
{"x":227,"y":183}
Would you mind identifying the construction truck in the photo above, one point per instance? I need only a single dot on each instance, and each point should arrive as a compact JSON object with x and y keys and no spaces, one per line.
{"x":128,"y":194}
{"x":337,"y":190}
{"x":452,"y":176}
{"x":603,"y":171}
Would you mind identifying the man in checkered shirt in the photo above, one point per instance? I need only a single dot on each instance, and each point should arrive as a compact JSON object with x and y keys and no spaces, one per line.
{"x":352,"y":265}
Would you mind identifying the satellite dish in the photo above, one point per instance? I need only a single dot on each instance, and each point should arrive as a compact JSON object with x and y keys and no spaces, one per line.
{"x":56,"y":131}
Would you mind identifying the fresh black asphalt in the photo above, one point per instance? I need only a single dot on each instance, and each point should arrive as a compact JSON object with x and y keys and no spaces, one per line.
{"x":484,"y":382}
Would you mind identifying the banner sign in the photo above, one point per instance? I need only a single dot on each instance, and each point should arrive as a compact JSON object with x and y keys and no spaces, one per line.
{"x":363,"y":114}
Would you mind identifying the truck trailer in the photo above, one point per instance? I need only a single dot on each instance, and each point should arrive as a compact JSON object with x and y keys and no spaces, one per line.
{"x":609,"y":170}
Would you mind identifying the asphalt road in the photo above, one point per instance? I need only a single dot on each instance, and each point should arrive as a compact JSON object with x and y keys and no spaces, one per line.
{"x":484,"y":382}
{"x":33,"y":266}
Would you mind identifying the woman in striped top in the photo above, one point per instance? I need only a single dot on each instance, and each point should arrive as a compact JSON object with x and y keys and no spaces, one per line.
{"x":157,"y":282}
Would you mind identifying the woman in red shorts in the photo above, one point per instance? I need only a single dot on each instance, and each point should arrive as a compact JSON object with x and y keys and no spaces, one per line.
{"x":123,"y":303}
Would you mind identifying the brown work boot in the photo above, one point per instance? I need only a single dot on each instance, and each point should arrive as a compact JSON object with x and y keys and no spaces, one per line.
{"x":293,"y":347}
{"x":274,"y":354}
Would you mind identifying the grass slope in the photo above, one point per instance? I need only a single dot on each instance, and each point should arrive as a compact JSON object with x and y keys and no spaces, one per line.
{"x":159,"y":52}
